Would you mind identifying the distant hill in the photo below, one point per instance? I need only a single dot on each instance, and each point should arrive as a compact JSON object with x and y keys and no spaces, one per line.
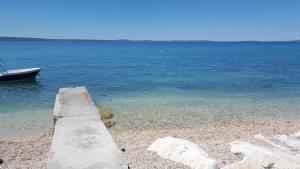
{"x":45,"y":39}
{"x":21,"y":39}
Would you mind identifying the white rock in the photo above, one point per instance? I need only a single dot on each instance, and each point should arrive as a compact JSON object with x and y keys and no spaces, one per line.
{"x":256,"y":157}
{"x":264,"y":139}
{"x":184,"y":152}
{"x":289,"y":141}
{"x":296,"y":135}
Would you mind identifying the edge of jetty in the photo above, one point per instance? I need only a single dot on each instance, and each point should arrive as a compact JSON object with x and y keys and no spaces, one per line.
{"x":80,"y":139}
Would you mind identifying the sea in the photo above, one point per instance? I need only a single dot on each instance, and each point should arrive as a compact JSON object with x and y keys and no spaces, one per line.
{"x":152,"y":84}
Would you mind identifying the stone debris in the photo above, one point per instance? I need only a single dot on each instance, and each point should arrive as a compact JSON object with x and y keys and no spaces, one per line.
{"x":244,"y":164}
{"x":296,"y":135}
{"x":264,"y":139}
{"x":289,"y":141}
{"x":254,"y":156}
{"x":184,"y":152}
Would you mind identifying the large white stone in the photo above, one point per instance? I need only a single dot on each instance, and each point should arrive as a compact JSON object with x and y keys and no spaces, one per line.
{"x":184,"y":152}
{"x":256,"y":157}
{"x":296,"y":135}
{"x":289,"y":141}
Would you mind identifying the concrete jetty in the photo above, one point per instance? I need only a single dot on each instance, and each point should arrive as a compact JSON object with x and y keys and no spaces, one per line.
{"x":80,"y":140}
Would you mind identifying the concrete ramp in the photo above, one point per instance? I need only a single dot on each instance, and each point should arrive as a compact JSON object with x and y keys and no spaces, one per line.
{"x":80,"y":140}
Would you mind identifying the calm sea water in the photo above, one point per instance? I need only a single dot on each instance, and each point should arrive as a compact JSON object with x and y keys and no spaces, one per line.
{"x":153,"y":84}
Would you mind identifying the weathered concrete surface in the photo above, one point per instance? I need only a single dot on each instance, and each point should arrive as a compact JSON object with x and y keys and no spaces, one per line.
{"x":74,"y":102}
{"x":80,"y":140}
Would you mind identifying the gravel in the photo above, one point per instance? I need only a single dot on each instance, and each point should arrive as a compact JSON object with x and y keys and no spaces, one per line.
{"x":32,"y":152}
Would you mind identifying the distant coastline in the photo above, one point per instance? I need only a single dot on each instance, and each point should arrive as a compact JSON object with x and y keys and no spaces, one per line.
{"x":50,"y":39}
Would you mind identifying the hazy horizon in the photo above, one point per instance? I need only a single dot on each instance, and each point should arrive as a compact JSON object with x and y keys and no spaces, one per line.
{"x":87,"y":39}
{"x":156,"y":20}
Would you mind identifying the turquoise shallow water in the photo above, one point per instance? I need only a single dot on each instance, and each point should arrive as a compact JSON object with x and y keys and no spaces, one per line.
{"x":153,"y":84}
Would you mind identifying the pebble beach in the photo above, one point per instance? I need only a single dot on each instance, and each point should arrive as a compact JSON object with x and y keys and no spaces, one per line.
{"x":32,"y":152}
{"x":26,"y":152}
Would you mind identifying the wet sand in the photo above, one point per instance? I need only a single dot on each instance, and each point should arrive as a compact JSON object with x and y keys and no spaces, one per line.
{"x":212,"y":137}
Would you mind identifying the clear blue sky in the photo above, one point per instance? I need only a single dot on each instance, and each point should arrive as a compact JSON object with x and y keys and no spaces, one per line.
{"x":152,"y":19}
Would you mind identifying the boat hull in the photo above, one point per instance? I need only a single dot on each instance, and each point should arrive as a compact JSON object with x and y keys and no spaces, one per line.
{"x":21,"y":76}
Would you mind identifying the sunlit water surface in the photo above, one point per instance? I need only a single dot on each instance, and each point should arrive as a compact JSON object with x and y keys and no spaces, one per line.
{"x":153,"y":84}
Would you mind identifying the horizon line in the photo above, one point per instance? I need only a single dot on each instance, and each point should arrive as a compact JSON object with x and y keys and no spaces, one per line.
{"x":16,"y":38}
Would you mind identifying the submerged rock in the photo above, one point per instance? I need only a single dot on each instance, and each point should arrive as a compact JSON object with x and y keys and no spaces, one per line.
{"x":105,"y":116}
{"x":109,"y":123}
{"x":184,"y":152}
{"x":105,"y":113}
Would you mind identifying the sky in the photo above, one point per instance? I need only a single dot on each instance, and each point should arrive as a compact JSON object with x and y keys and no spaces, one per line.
{"x":222,"y":20}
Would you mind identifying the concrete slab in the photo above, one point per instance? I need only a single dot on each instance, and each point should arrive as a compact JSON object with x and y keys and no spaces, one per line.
{"x":74,"y":102}
{"x":80,"y":140}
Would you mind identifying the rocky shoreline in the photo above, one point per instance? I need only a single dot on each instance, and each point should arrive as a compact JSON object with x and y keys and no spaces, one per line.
{"x":214,"y":138}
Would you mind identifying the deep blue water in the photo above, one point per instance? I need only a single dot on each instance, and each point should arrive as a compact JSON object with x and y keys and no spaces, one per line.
{"x":134,"y":78}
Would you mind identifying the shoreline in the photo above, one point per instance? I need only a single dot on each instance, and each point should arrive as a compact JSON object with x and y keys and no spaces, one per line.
{"x":214,"y":138}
